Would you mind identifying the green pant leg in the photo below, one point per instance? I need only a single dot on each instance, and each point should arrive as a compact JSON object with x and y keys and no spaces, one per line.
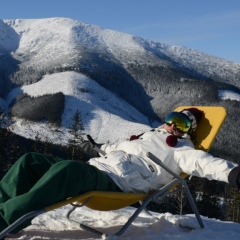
{"x":27,"y":170}
{"x":62,"y":180}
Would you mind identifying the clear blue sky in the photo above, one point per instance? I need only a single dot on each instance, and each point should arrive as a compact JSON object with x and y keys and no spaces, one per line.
{"x":210,"y":26}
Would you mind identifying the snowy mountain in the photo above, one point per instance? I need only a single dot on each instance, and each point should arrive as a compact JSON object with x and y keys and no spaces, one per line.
{"x":111,"y":77}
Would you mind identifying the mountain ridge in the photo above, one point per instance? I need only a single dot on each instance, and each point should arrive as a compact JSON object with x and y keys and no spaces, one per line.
{"x":77,"y":33}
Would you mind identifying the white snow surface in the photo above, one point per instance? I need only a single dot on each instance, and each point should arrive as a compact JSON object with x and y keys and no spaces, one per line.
{"x":165,"y":226}
{"x":229,"y":95}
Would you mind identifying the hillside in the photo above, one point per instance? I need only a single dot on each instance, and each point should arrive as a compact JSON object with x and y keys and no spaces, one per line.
{"x":105,"y":117}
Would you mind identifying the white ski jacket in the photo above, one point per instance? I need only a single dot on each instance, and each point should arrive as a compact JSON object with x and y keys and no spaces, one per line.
{"x":127,"y":164}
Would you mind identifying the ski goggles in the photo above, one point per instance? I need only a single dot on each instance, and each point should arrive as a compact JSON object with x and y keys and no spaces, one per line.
{"x":181,"y":121}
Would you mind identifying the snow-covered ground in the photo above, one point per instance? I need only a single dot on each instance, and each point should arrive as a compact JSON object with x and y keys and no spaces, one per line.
{"x":229,"y":95}
{"x":55,"y":225}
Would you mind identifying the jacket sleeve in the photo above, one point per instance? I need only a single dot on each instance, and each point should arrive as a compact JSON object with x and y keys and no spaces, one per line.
{"x":202,"y":164}
{"x":124,"y":145}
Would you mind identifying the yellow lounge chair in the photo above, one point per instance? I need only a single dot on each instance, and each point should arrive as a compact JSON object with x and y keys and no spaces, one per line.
{"x":207,"y":130}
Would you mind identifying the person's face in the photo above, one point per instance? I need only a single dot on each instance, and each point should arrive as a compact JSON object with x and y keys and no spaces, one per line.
{"x":172,"y":129}
{"x":177,"y":123}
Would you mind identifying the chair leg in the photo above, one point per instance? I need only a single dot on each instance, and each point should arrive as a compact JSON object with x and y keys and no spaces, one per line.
{"x":181,"y":181}
{"x":19,"y":221}
{"x":134,"y":216}
{"x":193,"y":205}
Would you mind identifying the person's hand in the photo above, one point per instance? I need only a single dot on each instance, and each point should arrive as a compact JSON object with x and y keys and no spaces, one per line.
{"x":238,"y":181}
{"x":93,"y":143}
{"x":234,"y":177}
{"x":90,"y":149}
{"x":90,"y":139}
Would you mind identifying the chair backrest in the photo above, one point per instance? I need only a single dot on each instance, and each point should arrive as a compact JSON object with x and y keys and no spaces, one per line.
{"x":209,"y":125}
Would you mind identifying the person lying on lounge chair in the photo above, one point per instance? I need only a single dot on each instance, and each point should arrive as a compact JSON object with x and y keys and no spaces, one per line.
{"x":36,"y":180}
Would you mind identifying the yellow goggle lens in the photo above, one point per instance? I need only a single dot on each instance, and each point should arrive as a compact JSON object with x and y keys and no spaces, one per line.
{"x":182,"y":122}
